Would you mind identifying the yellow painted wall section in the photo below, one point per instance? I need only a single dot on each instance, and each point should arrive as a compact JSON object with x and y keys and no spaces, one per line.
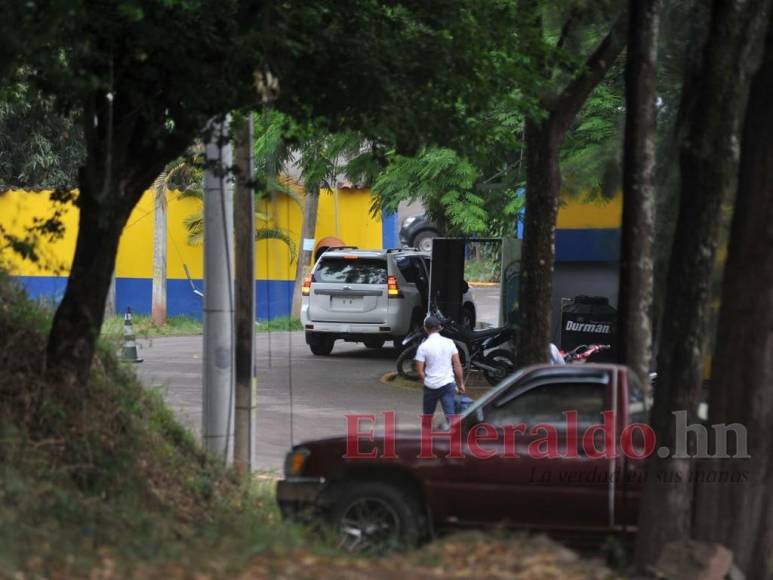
{"x":272,"y":257}
{"x":136,"y":243}
{"x":585,"y":212}
{"x":352,"y":223}
{"x":18,"y":210}
{"x":135,"y":252}
{"x":355,"y":227}
{"x":179,"y":251}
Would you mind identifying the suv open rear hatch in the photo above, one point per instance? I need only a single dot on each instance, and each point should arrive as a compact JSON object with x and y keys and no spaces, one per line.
{"x":349,"y":288}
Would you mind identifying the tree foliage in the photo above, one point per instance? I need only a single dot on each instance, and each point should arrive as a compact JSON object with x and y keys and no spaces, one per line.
{"x":40,"y":147}
{"x":439,"y":178}
{"x":591,"y":154}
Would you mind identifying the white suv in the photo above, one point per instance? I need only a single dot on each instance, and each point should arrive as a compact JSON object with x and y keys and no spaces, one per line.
{"x":368,"y":296}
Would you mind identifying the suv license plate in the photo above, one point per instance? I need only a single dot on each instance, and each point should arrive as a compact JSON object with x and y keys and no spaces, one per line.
{"x":347,"y":303}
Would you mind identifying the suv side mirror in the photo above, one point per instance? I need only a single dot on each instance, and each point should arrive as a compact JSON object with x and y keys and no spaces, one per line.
{"x":465,"y":287}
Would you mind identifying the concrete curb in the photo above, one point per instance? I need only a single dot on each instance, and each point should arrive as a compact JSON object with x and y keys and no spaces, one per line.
{"x":475,"y":383}
{"x":483,"y":284}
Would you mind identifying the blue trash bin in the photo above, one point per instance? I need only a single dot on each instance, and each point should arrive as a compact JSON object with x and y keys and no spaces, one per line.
{"x":462,"y":403}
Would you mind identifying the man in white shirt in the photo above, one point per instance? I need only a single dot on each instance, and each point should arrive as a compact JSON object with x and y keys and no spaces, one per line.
{"x":438,"y":363}
{"x":554,"y":355}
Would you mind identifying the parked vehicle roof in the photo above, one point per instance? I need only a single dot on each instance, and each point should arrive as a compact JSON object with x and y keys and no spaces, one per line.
{"x":337,"y":252}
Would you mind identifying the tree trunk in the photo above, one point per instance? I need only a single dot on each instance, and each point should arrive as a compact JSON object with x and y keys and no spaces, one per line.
{"x":158,"y":293}
{"x":636,"y":268}
{"x":121,"y":162}
{"x":543,"y":178}
{"x":543,"y":186}
{"x":715,"y":101}
{"x":740,"y":516}
{"x":78,"y":319}
{"x":310,"y":207}
{"x":694,"y":17}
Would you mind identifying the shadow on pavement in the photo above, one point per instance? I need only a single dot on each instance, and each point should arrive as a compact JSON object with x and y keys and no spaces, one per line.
{"x":385,"y":353}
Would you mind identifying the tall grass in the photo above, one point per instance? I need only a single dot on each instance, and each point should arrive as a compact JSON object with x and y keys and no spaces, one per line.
{"x":101,"y":476}
{"x":144,"y":327}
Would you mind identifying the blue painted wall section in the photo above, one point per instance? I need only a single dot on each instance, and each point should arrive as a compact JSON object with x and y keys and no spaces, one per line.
{"x":44,"y":288}
{"x":273,"y":297}
{"x":135,"y":293}
{"x":588,"y":245}
{"x":389,"y":231}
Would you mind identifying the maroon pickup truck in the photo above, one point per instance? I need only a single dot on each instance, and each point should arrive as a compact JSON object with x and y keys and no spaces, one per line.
{"x":552,"y":447}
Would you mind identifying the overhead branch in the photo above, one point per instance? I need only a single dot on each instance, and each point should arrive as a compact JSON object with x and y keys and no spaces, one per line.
{"x":569,"y":29}
{"x":565,"y":106}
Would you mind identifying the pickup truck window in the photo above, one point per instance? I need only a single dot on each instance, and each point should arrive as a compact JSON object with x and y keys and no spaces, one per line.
{"x":547,"y":404}
{"x":638,"y":405}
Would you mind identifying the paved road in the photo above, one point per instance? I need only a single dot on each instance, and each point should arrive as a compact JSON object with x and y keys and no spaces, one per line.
{"x":324,"y":389}
{"x":487,"y":304}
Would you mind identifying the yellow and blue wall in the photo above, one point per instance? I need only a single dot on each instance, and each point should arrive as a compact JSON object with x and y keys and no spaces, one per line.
{"x":588,"y":231}
{"x":345,"y":215}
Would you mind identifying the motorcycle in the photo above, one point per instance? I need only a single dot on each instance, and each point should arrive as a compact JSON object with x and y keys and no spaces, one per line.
{"x":477,"y":350}
{"x":583,"y":352}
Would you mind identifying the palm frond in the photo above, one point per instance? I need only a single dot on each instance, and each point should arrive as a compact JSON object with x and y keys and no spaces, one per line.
{"x":275,"y":185}
{"x":194,"y":223}
{"x":192,"y":193}
{"x":280,"y":234}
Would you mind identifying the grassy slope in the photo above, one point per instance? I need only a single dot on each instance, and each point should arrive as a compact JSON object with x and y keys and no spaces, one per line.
{"x":103,"y":475}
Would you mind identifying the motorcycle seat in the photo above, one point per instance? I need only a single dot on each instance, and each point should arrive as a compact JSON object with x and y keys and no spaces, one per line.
{"x":483,"y":333}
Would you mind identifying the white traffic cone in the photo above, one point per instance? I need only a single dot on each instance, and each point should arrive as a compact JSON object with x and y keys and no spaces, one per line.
{"x":129,"y":353}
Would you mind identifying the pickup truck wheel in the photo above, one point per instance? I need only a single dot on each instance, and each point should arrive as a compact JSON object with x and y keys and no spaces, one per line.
{"x":406,"y":366}
{"x":376,"y":517}
{"x":323,"y":347}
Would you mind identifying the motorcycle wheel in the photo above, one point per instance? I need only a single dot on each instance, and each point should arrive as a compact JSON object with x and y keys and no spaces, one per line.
{"x":504,"y":363}
{"x":463,"y":358}
{"x":406,"y":366}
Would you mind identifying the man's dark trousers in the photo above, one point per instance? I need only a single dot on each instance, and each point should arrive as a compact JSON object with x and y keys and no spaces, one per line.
{"x":445,"y":394}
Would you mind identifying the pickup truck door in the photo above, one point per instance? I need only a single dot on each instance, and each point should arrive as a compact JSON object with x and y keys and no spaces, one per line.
{"x":573,"y":490}
{"x":634,"y":409}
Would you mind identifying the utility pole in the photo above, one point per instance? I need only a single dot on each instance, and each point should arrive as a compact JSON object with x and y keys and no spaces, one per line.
{"x":158,"y":308}
{"x":218,"y":355}
{"x":244,"y":228}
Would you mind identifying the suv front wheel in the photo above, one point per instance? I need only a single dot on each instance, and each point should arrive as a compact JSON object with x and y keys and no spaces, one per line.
{"x":423,"y":240}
